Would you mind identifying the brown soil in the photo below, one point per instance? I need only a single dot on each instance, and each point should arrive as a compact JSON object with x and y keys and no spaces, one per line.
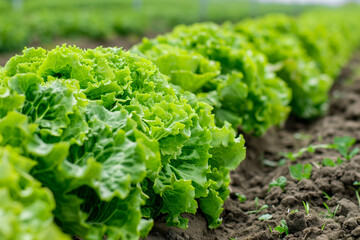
{"x":252,"y":179}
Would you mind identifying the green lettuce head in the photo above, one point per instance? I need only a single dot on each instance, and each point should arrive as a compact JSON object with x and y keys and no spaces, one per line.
{"x":115,"y":143}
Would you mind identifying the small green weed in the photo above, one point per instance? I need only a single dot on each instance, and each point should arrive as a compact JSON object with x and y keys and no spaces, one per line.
{"x":329,"y":213}
{"x":300,"y":171}
{"x":266,"y":216}
{"x":326,"y":195}
{"x":328,"y":162}
{"x":344,"y":144}
{"x":311,"y":149}
{"x":282,"y":228}
{"x":307,"y":207}
{"x":241,"y":197}
{"x":279,"y":182}
{"x":257,"y":209}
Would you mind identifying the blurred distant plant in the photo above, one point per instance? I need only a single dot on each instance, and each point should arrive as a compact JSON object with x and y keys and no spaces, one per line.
{"x":23,"y":22}
{"x":302,"y":136}
{"x":266,"y":216}
{"x":257,"y":208}
{"x":311,"y":149}
{"x":328,"y":162}
{"x":279,"y":182}
{"x":300,"y":171}
{"x":344,"y":144}
{"x":341,"y":144}
{"x":241,"y":197}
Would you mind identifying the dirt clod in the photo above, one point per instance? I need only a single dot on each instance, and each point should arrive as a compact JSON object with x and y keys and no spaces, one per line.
{"x":356,"y":232}
{"x":350,"y":224}
{"x":346,"y":207}
{"x":296,"y":222}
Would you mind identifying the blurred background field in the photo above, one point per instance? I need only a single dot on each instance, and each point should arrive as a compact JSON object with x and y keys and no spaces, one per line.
{"x":89,"y":23}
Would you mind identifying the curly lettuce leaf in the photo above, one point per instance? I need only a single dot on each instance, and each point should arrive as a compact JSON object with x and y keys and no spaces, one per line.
{"x":26,"y":207}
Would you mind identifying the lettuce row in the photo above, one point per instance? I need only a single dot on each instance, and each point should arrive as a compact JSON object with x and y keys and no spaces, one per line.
{"x":258,"y":69}
{"x":114,"y":142}
{"x":301,"y":48}
{"x":223,"y":69}
{"x":332,"y":39}
{"x":291,"y":62}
